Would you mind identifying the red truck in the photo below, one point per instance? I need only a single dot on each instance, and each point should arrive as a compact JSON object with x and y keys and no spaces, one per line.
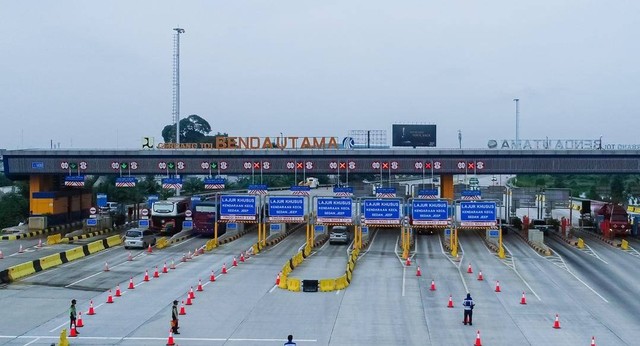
{"x":614,"y":220}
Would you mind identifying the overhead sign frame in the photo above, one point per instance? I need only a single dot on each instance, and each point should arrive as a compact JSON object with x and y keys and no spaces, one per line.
{"x":429,"y":212}
{"x":334,"y":210}
{"x":238,"y":208}
{"x":478,"y":213}
{"x":286,"y":208}
{"x":382,"y":211}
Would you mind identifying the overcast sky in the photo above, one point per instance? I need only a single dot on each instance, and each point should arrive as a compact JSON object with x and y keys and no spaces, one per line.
{"x":99,"y":75}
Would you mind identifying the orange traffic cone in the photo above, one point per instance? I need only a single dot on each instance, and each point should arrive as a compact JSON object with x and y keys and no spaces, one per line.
{"x":212,"y":278}
{"x":199,"y":289}
{"x":469,"y":270}
{"x":450,"y":305}
{"x":170,"y":341}
{"x":39,"y":243}
{"x":241,"y":257}
{"x":556,"y":324}
{"x":224,"y":268}
{"x":131,"y":286}
{"x":189,"y":255}
{"x":155,"y":273}
{"x":418,"y":272}
{"x":91,"y":311}
{"x":20,"y":250}
{"x":184,"y":257}
{"x":480,"y":277}
{"x":408,"y":262}
{"x":195,"y":252}
{"x":593,"y":341}
{"x":478,"y":342}
{"x":149,"y":250}
{"x":129,"y":258}
{"x":73,"y":332}
{"x":79,"y":322}
{"x":192,"y":294}
{"x":188,"y":300}
{"x":109,"y":298}
{"x":106,"y":266}
{"x":164,"y":268}
{"x":146,"y":275}
{"x":173,"y":265}
{"x":497,"y":286}
{"x":118,"y":293}
{"x":1,"y":255}
{"x":523,"y":300}
{"x":278,"y":279}
{"x":182,"y":310}
{"x":201,"y":250}
{"x":433,"y":285}
{"x":235,"y":263}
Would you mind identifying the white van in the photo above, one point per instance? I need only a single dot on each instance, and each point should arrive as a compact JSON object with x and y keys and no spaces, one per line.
{"x":310,"y":182}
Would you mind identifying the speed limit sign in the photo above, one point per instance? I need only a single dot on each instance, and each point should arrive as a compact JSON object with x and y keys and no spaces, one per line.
{"x":145,"y":212}
{"x":187,"y":213}
{"x":93,"y":210}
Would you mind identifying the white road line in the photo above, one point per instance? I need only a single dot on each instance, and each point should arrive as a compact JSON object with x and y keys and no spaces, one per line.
{"x":591,"y":252}
{"x":31,"y":342}
{"x":56,"y":328}
{"x":151,"y":338}
{"x":272,"y":289}
{"x":88,"y":277}
{"x":518,"y":273}
{"x":404,"y":277}
{"x":460,"y":271}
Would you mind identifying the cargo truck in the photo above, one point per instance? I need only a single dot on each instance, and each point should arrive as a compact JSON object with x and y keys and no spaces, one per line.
{"x":613,"y":220}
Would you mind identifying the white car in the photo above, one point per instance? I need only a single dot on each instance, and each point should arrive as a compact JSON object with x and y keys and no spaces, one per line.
{"x":137,"y":237}
{"x":339,"y":234}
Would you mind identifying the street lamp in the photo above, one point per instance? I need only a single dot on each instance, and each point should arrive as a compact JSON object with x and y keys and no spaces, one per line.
{"x":460,"y":139}
{"x":176,"y":82}
{"x":517,"y":123}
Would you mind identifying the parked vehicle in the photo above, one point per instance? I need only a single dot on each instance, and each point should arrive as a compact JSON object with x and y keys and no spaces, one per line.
{"x":613,"y":220}
{"x":167,"y":216}
{"x":138,"y":237}
{"x":339,"y":234}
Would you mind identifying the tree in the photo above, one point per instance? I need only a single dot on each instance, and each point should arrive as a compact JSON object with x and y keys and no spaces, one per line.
{"x":617,"y":189}
{"x":193,"y":129}
{"x":13,"y":208}
{"x":192,"y":186}
{"x":593,"y":193}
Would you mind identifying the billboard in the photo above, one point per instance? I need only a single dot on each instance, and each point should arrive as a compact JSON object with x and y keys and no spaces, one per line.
{"x":413,"y":135}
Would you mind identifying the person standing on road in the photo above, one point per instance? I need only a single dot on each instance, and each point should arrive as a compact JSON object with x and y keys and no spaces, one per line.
{"x":290,"y":341}
{"x":174,"y":317}
{"x":72,"y":315}
{"x":468,"y":305}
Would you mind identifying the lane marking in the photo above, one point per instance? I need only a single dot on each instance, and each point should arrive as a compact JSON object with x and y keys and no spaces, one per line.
{"x":31,"y":342}
{"x":518,"y":273}
{"x":151,"y":338}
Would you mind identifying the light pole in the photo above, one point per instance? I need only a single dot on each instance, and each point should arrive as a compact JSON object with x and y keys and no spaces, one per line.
{"x":460,"y":139}
{"x":517,"y":123}
{"x":176,"y":81}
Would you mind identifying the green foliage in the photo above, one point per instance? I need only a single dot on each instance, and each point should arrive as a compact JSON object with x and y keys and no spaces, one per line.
{"x":617,"y":189}
{"x":14,"y":208}
{"x":192,"y":186}
{"x":193,"y":129}
{"x":593,"y":193}
{"x":4,"y":181}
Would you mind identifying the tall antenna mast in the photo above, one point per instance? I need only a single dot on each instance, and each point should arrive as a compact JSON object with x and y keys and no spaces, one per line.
{"x":176,"y":81}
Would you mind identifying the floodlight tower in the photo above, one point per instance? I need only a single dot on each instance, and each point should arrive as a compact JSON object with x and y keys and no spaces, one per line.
{"x":176,"y":81}
{"x":517,"y":101}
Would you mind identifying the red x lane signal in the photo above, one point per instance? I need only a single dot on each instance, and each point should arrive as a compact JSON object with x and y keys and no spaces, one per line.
{"x":343,"y":165}
{"x":385,"y":165}
{"x":427,"y":165}
{"x":299,"y":165}
{"x":471,"y":165}
{"x":256,"y":165}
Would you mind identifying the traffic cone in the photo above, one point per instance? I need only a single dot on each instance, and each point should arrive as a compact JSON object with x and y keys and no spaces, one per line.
{"x":201,"y":249}
{"x":278,"y":279}
{"x":408,"y":262}
{"x":146,"y":275}
{"x":1,"y":255}
{"x":224,"y":268}
{"x":79,"y":322}
{"x":497,"y":286}
{"x":480,"y":277}
{"x":469,"y":270}
{"x":149,"y":250}
{"x":593,"y":341}
{"x":433,"y":285}
{"x":241,"y":257}
{"x":109,"y":298}
{"x":73,"y":332}
{"x":199,"y":289}
{"x":212,"y":278}
{"x":39,"y":243}
{"x":91,"y":311}
{"x":173,"y":264}
{"x":106,"y":266}
{"x":195,"y":252}
{"x":418,"y":272}
{"x":20,"y":250}
{"x":192,"y":294}
{"x":235,"y":263}
{"x":129,"y":258}
{"x":184,"y":257}
{"x":131,"y":286}
{"x":556,"y":324}
{"x":118,"y":293}
{"x":523,"y":300}
{"x":164,"y":268}
{"x":155,"y":273}
{"x":170,"y":341}
{"x":189,"y":255}
{"x":450,"y":305}
{"x":182,"y":310}
{"x":478,"y":342}
{"x":188,"y":300}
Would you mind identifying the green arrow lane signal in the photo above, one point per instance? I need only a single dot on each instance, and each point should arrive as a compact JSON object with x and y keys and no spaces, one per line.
{"x":124,"y":165}
{"x":214,"y":165}
{"x":171,"y":165}
{"x":73,"y":165}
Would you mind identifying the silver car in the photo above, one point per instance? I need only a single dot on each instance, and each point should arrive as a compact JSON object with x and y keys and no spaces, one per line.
{"x":339,"y":234}
{"x":137,"y":237}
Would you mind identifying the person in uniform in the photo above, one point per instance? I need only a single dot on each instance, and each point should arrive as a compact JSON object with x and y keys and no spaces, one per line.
{"x":174,"y":317}
{"x":72,"y":315}
{"x":468,"y":305}
{"x":290,"y":341}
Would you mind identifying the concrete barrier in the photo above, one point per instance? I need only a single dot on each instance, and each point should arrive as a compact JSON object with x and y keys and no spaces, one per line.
{"x":74,"y":254}
{"x":21,"y":270}
{"x":50,"y":261}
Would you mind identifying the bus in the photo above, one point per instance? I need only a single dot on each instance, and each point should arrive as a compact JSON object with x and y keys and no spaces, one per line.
{"x":204,"y":217}
{"x":167,"y":215}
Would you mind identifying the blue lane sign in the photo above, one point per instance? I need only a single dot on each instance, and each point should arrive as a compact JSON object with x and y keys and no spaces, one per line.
{"x":334,"y":210}
{"x":232,"y":226}
{"x":447,"y":231}
{"x":319,"y":228}
{"x":143,"y":223}
{"x":493,"y":233}
{"x":386,"y":212}
{"x":429,"y":212}
{"x":386,"y":191}
{"x":238,"y":207}
{"x":364,"y":230}
{"x":477,"y":213}
{"x":299,"y":188}
{"x":92,"y":222}
{"x":470,"y":194}
{"x":343,"y":191}
{"x":275,"y":227}
{"x":261,"y":187}
{"x":37,"y":165}
{"x":101,"y":200}
{"x":187,"y":224}
{"x":286,"y":209}
{"x":151,"y":199}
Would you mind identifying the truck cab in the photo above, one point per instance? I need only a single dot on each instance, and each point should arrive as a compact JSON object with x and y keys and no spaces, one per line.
{"x":310,"y":182}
